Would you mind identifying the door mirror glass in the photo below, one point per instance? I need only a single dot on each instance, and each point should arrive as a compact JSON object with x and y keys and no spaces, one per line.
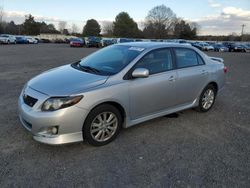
{"x":140,"y":73}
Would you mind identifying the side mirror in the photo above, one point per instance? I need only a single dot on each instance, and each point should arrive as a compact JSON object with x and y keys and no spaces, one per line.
{"x":140,"y":73}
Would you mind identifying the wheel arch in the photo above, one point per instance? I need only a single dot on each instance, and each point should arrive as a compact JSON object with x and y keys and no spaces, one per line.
{"x":115,"y":104}
{"x":214,"y":84}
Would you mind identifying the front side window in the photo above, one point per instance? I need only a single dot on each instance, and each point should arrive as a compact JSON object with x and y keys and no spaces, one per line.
{"x":156,"y":61}
{"x":187,"y":58}
{"x":111,"y":60}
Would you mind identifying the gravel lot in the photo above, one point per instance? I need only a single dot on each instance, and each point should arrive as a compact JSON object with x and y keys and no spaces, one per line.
{"x":193,"y":149}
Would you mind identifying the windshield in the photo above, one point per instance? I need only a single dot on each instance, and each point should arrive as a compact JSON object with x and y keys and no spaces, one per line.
{"x":110,"y":60}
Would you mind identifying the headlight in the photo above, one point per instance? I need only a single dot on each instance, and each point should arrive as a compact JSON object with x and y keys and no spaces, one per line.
{"x":56,"y":103}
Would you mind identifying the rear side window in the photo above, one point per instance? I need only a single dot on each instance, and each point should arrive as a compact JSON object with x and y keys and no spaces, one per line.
{"x":200,"y":60}
{"x":187,"y":58}
{"x":156,"y":61}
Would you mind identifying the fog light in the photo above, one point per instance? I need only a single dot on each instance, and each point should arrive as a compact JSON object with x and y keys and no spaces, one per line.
{"x":54,"y":130}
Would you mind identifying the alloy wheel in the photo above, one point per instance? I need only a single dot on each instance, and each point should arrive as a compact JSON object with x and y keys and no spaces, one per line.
{"x":208,"y":99}
{"x":104,"y":126}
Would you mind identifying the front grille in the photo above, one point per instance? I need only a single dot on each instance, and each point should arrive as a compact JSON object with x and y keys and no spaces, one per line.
{"x":30,"y":101}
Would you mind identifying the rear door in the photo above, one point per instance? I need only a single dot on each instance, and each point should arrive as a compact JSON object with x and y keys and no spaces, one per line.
{"x":192,"y":75}
{"x":157,"y":92}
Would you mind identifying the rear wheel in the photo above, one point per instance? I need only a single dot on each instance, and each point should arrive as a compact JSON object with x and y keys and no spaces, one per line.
{"x":102,"y":125}
{"x":207,"y":99}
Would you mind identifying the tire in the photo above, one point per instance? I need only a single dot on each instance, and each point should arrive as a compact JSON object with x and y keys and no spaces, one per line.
{"x":99,"y":133}
{"x":206,"y":103}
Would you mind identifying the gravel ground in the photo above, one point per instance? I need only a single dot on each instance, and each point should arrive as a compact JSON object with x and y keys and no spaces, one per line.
{"x":192,"y":150}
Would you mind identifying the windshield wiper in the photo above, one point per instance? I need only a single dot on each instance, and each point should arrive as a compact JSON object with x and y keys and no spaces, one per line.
{"x":88,"y":68}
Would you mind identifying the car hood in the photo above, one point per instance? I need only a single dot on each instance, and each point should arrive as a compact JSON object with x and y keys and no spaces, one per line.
{"x":65,"y":80}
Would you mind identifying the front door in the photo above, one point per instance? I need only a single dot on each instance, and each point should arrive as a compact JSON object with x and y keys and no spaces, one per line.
{"x":157,"y":92}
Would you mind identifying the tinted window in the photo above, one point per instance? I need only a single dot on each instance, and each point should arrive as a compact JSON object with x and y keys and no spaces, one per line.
{"x":186,"y":58}
{"x":156,"y":61}
{"x":111,"y":60}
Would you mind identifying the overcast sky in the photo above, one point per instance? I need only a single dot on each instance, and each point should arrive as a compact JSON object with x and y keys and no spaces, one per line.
{"x":214,"y":16}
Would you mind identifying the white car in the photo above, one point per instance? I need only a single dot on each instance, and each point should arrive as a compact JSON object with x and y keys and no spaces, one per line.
{"x":7,"y":39}
{"x":206,"y":47}
{"x":31,"y":40}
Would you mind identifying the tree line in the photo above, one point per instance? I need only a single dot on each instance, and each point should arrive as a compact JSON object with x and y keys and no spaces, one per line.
{"x":160,"y":23}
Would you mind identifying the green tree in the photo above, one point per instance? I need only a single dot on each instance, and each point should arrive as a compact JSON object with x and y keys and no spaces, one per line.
{"x":47,"y":28}
{"x":92,"y":28}
{"x":1,"y":28}
{"x":30,"y":26}
{"x":125,"y":26}
{"x":183,"y":30}
{"x":11,"y":28}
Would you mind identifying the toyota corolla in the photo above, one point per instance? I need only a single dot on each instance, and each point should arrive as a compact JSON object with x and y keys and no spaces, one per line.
{"x":118,"y":87}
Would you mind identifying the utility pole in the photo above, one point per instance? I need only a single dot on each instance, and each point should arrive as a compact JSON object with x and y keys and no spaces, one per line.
{"x":242,"y":30}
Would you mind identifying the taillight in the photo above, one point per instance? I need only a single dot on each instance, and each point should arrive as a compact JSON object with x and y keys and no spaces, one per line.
{"x":225,"y":69}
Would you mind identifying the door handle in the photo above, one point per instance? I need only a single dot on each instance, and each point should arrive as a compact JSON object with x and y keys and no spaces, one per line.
{"x":171,"y":79}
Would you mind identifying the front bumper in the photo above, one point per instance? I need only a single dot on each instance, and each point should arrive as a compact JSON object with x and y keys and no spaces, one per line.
{"x":68,"y":120}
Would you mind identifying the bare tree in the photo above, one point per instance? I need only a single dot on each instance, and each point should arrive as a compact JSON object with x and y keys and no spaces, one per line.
{"x":195,"y":26}
{"x":1,"y":14}
{"x":159,"y":21}
{"x":107,"y":28}
{"x":74,"y":28}
{"x":62,"y":25}
{"x":161,"y":15}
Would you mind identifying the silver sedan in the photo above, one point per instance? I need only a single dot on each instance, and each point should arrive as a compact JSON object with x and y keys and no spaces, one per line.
{"x":118,"y":86}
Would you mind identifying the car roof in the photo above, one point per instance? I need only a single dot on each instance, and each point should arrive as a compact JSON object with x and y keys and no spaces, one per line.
{"x":149,"y":45}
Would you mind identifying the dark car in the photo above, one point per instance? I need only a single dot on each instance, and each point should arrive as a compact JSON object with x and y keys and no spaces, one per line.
{"x":59,"y":41}
{"x":21,"y":40}
{"x":93,"y":42}
{"x":76,"y":42}
{"x":220,"y":48}
{"x":45,"y":41}
{"x":233,"y":47}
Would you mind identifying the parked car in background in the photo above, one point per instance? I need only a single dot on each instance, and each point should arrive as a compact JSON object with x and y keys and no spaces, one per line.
{"x":206,"y":47}
{"x":197,"y":45}
{"x":181,"y":41}
{"x":107,"y":42}
{"x":60,"y":41}
{"x":246,"y":47}
{"x":7,"y":39}
{"x":21,"y":40}
{"x":93,"y":42}
{"x":76,"y":42}
{"x":43,"y":40}
{"x":118,"y":86}
{"x":31,"y":40}
{"x":122,"y":40}
{"x":218,"y":47}
{"x":235,"y":47}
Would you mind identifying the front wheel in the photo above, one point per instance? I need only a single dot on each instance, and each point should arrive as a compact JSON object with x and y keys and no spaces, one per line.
{"x":207,"y":99}
{"x":102,"y":125}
